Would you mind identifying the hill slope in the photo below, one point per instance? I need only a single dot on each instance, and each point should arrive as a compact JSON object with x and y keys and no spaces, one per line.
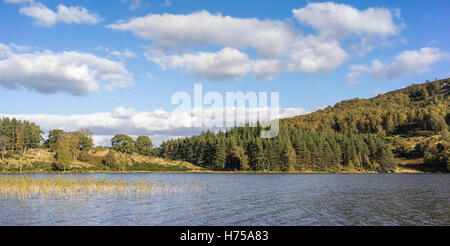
{"x":414,"y":120}
{"x":43,"y":160}
{"x":357,"y":135}
{"x":422,"y":107}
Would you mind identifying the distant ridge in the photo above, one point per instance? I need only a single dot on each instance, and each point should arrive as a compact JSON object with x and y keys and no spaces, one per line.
{"x":418,"y":107}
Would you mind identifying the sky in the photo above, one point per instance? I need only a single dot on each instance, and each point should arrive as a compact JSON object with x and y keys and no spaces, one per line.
{"x":113,"y":66}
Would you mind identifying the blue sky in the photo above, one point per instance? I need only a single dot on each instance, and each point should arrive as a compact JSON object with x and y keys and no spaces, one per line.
{"x":63,"y":63}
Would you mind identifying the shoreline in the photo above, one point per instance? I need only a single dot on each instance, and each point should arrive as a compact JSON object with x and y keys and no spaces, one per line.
{"x":218,"y":172}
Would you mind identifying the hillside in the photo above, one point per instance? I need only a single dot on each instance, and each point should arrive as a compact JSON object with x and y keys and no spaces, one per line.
{"x":43,"y":160}
{"x":413,"y":120}
{"x":293,"y":150}
{"x":419,"y":109}
{"x":400,"y":131}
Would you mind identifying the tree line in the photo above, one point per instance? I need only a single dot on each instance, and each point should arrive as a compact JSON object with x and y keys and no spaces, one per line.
{"x":70,"y":146}
{"x":294,"y":149}
{"x":17,"y":135}
{"x":348,"y":136}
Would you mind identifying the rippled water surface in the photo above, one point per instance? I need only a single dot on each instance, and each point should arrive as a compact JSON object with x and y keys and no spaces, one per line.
{"x":250,"y":199}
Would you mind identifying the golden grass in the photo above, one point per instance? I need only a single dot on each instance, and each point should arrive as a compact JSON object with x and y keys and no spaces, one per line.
{"x":23,"y":187}
{"x":405,"y":165}
{"x":47,"y":157}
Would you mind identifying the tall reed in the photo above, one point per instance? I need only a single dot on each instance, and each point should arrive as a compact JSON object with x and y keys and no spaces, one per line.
{"x":24,"y":187}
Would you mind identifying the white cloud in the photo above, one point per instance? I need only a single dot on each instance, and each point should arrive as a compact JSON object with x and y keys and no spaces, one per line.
{"x":44,"y":16}
{"x":134,"y":4}
{"x":20,"y":48}
{"x":170,"y":31}
{"x":18,"y":1}
{"x":69,"y":71}
{"x":124,"y":54}
{"x":267,"y":69}
{"x":227,"y":64}
{"x":160,"y":124}
{"x":341,"y":20}
{"x":307,"y":55}
{"x":5,"y":50}
{"x":406,"y":63}
{"x":355,"y":73}
{"x":279,"y":45}
{"x":316,"y":55}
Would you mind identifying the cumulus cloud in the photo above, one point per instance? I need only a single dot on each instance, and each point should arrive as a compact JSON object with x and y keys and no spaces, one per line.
{"x":158,"y":124}
{"x":406,"y":63}
{"x":267,"y":69}
{"x":70,"y":71}
{"x":46,"y":17}
{"x":278,"y":45}
{"x":341,"y":20}
{"x":315,"y":55}
{"x":228,"y":64}
{"x":170,"y":31}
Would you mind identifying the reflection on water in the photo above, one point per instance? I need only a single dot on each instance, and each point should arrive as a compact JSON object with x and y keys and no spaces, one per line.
{"x":250,"y":199}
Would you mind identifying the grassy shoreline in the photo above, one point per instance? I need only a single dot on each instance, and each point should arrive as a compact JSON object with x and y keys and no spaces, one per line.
{"x":42,"y":163}
{"x":400,"y":170}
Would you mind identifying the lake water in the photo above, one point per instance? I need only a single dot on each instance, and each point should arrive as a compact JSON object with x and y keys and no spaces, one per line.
{"x":251,"y":199}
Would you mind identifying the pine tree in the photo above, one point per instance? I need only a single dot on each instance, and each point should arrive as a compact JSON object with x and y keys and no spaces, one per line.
{"x":19,"y":143}
{"x":220,"y":156}
{"x":288,"y":158}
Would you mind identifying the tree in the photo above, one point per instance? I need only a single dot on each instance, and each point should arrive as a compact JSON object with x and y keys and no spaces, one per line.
{"x":389,"y":124}
{"x":303,"y":157}
{"x":110,"y":159}
{"x":33,"y":137}
{"x":73,"y":144}
{"x":256,"y":154}
{"x":288,"y":158}
{"x":19,"y":133}
{"x":143,"y":145}
{"x":85,"y":141}
{"x":241,"y":148}
{"x":237,"y":160}
{"x":64,"y":154}
{"x":220,"y":156}
{"x":433,"y":88}
{"x":123,"y":143}
{"x":3,"y":145}
{"x":53,"y":137}
{"x":84,"y":156}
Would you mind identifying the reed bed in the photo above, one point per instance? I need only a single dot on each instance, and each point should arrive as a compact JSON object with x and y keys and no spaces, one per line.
{"x":25,"y":187}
